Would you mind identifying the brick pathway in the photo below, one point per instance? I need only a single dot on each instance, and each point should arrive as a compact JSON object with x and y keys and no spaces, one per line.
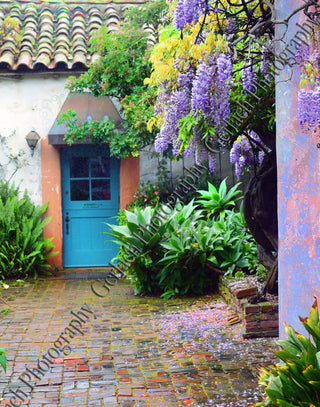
{"x":134,"y":351}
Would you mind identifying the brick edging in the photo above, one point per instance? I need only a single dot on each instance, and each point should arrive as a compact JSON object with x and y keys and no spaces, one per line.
{"x":259,"y":320}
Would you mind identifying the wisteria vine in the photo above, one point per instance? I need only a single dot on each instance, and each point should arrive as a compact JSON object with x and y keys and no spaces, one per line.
{"x":193,"y":70}
{"x":309,"y":94}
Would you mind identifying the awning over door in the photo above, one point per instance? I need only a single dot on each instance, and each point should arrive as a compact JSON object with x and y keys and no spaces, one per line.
{"x":85,"y":105}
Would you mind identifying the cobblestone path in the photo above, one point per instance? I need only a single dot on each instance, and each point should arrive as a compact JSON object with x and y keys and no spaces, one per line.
{"x":124,"y":350}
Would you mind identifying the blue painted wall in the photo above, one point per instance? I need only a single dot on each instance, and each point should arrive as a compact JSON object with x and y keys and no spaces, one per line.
{"x":298,"y":192}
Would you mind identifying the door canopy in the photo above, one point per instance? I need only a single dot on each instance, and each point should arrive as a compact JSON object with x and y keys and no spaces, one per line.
{"x":86,"y":107}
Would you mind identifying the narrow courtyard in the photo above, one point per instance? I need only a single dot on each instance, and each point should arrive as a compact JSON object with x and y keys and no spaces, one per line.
{"x":125,"y":350}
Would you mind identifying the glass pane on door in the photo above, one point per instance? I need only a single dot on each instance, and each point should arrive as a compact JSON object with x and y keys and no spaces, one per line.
{"x":100,"y":189}
{"x":79,"y":167}
{"x":100,"y":167}
{"x":80,"y":190}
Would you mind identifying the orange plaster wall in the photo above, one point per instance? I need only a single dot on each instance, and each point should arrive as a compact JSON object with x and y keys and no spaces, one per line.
{"x":51,"y":191}
{"x":129,"y":179}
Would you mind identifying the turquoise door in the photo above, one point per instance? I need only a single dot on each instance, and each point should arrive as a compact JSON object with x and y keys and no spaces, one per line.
{"x":90,"y":199}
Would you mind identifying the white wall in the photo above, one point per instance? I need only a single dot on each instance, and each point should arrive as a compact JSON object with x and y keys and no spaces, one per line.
{"x":25,"y":102}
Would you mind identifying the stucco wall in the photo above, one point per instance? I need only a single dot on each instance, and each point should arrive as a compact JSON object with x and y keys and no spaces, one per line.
{"x":27,"y":102}
{"x":298,"y":193}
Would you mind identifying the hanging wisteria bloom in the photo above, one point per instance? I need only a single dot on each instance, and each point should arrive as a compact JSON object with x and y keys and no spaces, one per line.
{"x":249,"y":77}
{"x":162,"y":100}
{"x":265,"y":63}
{"x":220,"y":105}
{"x":242,"y":153}
{"x":179,"y":17}
{"x":309,"y":109}
{"x":188,"y":12}
{"x":305,"y":99}
{"x":177,"y":107}
{"x":202,"y":89}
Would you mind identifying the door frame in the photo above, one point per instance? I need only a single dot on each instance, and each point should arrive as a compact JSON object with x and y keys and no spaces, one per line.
{"x":76,"y":208}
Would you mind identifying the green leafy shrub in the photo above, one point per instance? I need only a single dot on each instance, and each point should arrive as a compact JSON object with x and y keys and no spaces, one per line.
{"x":3,"y":359}
{"x":295,"y":381}
{"x":183,"y":255}
{"x":185,"y":269}
{"x":239,"y":247}
{"x":23,"y":248}
{"x":171,"y":260}
{"x":216,"y":201}
{"x":147,"y":194}
{"x":136,"y":236}
{"x":150,"y":194}
{"x":201,"y":183}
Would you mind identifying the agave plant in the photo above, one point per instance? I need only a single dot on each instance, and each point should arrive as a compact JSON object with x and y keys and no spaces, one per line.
{"x":216,"y":201}
{"x":295,"y":381}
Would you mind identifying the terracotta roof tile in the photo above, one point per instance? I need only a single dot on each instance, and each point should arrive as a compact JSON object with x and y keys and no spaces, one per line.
{"x":56,"y":35}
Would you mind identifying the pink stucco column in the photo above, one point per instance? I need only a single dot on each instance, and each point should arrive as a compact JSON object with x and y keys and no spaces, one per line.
{"x":298,"y":161}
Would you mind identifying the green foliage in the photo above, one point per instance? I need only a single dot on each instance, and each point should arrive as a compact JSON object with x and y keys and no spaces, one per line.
{"x":239,"y":248}
{"x":122,"y":217}
{"x":3,"y":359}
{"x":120,"y":73}
{"x":295,"y":381}
{"x":5,"y":311}
{"x":98,"y":132}
{"x":23,"y":248}
{"x":135,"y":236}
{"x":150,"y":14}
{"x":186,"y":254}
{"x":173,"y":257}
{"x":147,"y":194}
{"x":150,"y":194}
{"x":216,"y":201}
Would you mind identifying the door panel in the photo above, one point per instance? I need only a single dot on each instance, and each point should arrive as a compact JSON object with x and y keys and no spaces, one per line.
{"x":90,"y":181}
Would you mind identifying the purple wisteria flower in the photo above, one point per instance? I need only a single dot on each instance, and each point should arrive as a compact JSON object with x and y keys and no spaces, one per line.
{"x":261,"y":156}
{"x":316,"y":107}
{"x":177,"y":107}
{"x":221,"y":103}
{"x":179,"y":18}
{"x":189,"y":8}
{"x":242,"y":154}
{"x":186,"y":78}
{"x":249,"y":76}
{"x":162,"y":99}
{"x":212,"y":161}
{"x":188,"y":12}
{"x":303,"y":54}
{"x":304,"y":104}
{"x":309,"y":109}
{"x":202,"y":90}
{"x":265,"y":63}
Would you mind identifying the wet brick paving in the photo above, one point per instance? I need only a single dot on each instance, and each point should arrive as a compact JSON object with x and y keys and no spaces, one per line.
{"x":138,"y":351}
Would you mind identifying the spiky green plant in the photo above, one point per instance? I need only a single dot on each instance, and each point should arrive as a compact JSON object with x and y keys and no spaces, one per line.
{"x":216,"y":201}
{"x":295,"y":381}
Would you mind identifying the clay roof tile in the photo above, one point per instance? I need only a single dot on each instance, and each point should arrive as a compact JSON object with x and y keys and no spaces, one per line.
{"x":55,"y":35}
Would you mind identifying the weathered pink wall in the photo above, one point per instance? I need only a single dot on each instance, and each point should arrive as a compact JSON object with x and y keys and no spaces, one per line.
{"x":298,"y":193}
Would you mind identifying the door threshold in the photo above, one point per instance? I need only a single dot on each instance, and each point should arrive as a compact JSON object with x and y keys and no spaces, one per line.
{"x":83,"y":273}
